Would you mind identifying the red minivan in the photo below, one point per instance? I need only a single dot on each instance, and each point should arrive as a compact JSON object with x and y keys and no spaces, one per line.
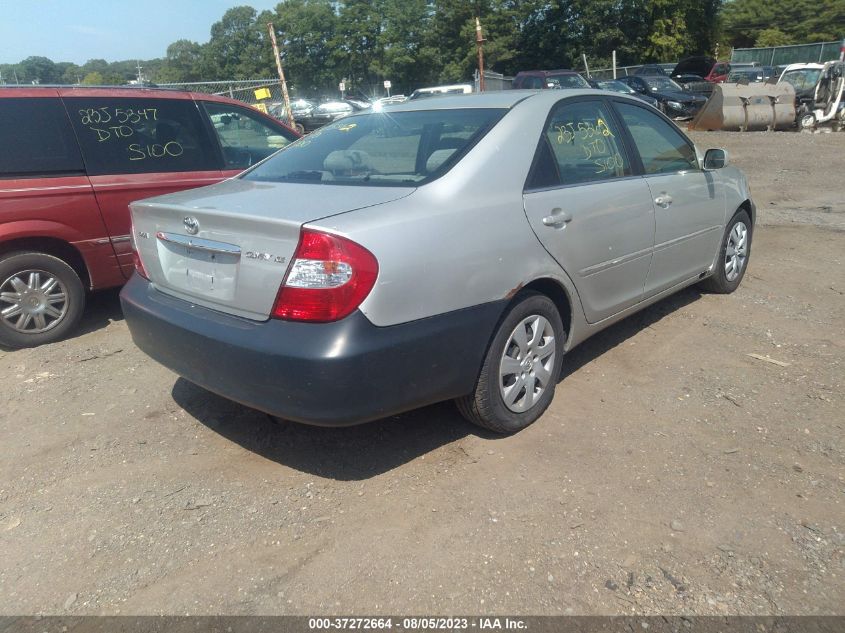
{"x":73,"y":158}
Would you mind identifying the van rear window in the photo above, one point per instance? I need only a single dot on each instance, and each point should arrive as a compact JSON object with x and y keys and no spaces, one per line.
{"x":140,"y":136}
{"x":36,"y":139}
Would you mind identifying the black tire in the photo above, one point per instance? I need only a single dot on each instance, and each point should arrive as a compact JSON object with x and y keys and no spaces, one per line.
{"x":485,"y":406}
{"x":19,"y":263}
{"x":718,"y":282}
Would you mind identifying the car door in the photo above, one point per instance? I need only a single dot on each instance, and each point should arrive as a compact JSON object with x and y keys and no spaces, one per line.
{"x":689,"y":203}
{"x":589,"y":209}
{"x":245,"y":136}
{"x":138,"y":147}
{"x":44,"y":192}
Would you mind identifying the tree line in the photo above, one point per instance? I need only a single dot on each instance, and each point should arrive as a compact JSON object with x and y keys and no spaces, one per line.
{"x":423,"y":42}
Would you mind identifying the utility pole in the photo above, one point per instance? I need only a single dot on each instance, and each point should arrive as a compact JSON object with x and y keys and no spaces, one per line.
{"x":479,"y":43}
{"x":281,"y":74}
{"x":139,"y":67}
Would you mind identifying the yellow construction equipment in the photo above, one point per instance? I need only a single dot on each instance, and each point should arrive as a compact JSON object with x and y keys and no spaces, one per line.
{"x":746,"y":107}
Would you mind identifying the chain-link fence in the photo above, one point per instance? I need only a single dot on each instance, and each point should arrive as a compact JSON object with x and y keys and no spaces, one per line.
{"x":264,"y":94}
{"x":782,"y":55}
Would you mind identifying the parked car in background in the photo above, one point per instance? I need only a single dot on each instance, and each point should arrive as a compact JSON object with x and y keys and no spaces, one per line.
{"x":300,"y":108}
{"x":544,"y":79}
{"x":651,"y":69}
{"x":72,"y":160}
{"x":618,"y":86}
{"x":437,"y":91}
{"x":699,"y":65}
{"x":751,"y":75}
{"x":329,"y":111}
{"x":671,"y":98}
{"x":448,"y":248}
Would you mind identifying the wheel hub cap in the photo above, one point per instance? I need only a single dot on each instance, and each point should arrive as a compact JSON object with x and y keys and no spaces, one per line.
{"x":736,"y":251}
{"x":32,"y":301}
{"x":525,"y":369}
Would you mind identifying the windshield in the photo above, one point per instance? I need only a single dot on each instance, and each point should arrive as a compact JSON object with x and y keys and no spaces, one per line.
{"x":616,"y":86}
{"x":803,"y":78}
{"x":662,"y":84}
{"x":380,"y":148}
{"x":569,"y":80}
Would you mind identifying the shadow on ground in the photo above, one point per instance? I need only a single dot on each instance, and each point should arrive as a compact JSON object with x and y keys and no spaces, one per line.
{"x":101,"y":308}
{"x":361,"y":452}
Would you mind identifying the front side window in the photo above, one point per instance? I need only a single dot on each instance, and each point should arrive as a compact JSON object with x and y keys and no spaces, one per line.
{"x":140,"y":135}
{"x":36,"y":139}
{"x":581,"y":143}
{"x":380,"y":148}
{"x":245,"y":138}
{"x":532,"y":83}
{"x":661,"y":146}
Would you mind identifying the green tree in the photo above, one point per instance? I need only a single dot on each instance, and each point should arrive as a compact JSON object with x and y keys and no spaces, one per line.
{"x":772,"y":37}
{"x":239,"y":47}
{"x":94,"y":78}
{"x":801,"y":21}
{"x":356,"y":51}
{"x":407,"y":61}
{"x":37,"y":70}
{"x":182,"y":63}
{"x":304,"y":29}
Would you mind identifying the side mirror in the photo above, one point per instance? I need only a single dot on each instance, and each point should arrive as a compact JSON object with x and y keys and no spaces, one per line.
{"x":715,"y":159}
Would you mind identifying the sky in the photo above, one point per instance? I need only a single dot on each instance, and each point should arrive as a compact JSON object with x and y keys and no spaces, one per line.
{"x":114,"y":30}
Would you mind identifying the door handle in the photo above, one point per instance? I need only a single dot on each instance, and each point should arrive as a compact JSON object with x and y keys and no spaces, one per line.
{"x":558,"y":218}
{"x":663,"y":200}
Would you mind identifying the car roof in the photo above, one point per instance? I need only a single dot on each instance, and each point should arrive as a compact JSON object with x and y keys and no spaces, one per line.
{"x":503,"y":99}
{"x":559,"y":71}
{"x":108,"y":91}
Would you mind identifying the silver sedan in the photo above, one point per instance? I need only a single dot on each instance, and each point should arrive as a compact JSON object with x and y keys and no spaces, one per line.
{"x":449,"y":248}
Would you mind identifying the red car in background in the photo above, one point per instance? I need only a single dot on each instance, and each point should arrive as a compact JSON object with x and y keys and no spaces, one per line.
{"x":73,"y":158}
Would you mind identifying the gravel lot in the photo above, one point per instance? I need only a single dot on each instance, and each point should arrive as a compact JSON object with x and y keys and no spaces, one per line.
{"x":673,"y":473}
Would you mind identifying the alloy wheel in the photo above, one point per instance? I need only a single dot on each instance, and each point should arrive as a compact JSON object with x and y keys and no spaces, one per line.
{"x":736,"y":251}
{"x":32,"y":301}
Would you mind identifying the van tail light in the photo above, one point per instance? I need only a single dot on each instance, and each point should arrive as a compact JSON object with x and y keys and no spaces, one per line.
{"x":136,"y":258}
{"x":329,"y":278}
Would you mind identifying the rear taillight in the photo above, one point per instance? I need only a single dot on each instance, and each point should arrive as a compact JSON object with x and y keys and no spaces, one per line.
{"x":136,"y":259}
{"x":329,"y":278}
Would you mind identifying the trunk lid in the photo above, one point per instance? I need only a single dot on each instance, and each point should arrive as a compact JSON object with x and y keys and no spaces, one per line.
{"x":228,"y":246}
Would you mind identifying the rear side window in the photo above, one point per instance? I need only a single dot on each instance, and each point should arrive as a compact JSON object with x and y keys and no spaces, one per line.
{"x":581,"y":143}
{"x":36,"y":139}
{"x":245,"y":137}
{"x":662,"y":148}
{"x":138,"y":136}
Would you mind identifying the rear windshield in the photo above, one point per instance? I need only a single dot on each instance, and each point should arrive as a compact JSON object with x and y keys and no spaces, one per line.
{"x":380,"y":148}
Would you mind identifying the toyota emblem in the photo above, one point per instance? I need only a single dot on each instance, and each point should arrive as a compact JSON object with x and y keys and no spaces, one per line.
{"x":191,"y":225}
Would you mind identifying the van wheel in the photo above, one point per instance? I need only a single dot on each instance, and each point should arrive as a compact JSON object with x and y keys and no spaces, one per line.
{"x":41,"y":299}
{"x":521,"y":368}
{"x":733,"y":256}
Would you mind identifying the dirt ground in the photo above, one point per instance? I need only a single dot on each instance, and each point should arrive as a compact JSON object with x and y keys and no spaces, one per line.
{"x":673,"y":473}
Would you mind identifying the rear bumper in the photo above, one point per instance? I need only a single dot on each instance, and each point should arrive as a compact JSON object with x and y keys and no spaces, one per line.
{"x":331,"y":374}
